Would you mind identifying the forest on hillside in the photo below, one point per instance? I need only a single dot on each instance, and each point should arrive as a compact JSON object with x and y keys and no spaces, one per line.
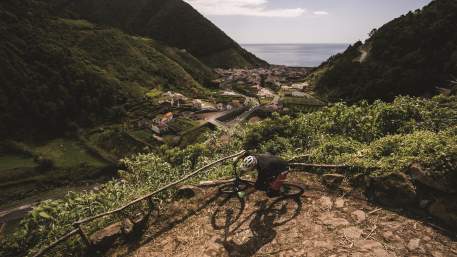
{"x":66,"y":73}
{"x":411,"y":55}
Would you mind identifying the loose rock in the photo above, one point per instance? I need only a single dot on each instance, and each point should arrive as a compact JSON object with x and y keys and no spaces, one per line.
{"x":387,"y":235}
{"x":187,"y":192}
{"x":339,"y":203}
{"x":359,"y":216}
{"x":394,"y":189}
{"x":419,"y":174}
{"x":437,"y":254}
{"x":413,"y":244}
{"x":368,"y":245}
{"x":330,"y":220}
{"x":443,"y":210}
{"x":332,"y":181}
{"x":352,"y":232}
{"x":326,"y":202}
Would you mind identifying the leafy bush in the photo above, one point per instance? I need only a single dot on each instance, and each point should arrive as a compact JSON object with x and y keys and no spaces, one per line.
{"x":143,"y":174}
{"x":375,"y":138}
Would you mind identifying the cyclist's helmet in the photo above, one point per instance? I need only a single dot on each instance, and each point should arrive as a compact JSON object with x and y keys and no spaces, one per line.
{"x":249,"y":162}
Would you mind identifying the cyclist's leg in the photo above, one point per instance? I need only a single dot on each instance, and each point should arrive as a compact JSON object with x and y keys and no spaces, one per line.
{"x":262,"y":182}
{"x":277,"y":183}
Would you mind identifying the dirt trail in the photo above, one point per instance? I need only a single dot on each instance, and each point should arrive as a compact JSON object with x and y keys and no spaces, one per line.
{"x":319,"y":223}
{"x":363,"y":55}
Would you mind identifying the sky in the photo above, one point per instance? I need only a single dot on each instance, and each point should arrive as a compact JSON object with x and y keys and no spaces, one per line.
{"x":302,"y":21}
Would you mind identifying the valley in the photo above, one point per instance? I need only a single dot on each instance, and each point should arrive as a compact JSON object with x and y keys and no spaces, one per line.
{"x":47,"y":170}
{"x":121,"y":120}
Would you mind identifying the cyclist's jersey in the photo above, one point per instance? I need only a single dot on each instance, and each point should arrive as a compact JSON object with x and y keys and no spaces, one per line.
{"x":269,"y":167}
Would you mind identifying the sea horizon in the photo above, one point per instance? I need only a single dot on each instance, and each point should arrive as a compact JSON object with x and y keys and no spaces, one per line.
{"x":295,"y":54}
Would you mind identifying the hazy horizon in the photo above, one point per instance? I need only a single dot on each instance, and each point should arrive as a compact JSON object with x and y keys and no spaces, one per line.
{"x":296,"y":55}
{"x":302,"y":21}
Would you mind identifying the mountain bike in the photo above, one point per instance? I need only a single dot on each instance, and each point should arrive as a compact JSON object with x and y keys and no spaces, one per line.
{"x":239,"y":186}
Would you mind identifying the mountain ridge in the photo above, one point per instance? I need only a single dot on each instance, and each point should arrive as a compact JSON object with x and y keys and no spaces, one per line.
{"x":66,"y":73}
{"x":411,"y":55}
{"x":174,"y":22}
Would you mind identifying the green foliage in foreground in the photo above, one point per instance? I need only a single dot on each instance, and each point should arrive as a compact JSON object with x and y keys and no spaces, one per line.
{"x":385,"y":137}
{"x":143,"y":174}
{"x":378,"y":138}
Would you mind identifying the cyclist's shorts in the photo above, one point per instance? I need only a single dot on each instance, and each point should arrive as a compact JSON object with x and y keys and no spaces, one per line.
{"x":279,"y":181}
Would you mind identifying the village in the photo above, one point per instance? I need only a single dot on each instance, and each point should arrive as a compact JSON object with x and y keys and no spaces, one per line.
{"x":245,"y":95}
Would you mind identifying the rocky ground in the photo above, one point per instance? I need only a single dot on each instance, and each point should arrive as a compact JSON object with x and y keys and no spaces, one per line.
{"x":319,"y":223}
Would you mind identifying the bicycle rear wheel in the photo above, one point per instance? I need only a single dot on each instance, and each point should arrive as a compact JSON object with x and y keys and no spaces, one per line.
{"x":292,"y":190}
{"x":233,"y":187}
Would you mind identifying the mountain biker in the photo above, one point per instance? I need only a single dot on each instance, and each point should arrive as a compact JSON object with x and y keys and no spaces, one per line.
{"x":271,"y":172}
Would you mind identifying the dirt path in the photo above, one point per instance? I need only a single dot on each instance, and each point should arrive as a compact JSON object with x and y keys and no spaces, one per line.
{"x":317,"y":224}
{"x":363,"y":55}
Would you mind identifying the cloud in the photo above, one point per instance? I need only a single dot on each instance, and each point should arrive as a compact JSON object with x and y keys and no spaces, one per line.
{"x":320,"y":13}
{"x":243,"y":7}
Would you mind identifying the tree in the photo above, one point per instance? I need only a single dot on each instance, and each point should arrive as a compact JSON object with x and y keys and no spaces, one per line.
{"x":372,"y":32}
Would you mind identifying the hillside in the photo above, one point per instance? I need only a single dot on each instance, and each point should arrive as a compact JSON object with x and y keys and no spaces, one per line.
{"x":173,"y":22}
{"x":66,"y":73}
{"x":400,"y":155}
{"x":411,"y":55}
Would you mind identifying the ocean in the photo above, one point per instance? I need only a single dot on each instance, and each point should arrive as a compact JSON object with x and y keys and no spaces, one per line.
{"x":299,"y":55}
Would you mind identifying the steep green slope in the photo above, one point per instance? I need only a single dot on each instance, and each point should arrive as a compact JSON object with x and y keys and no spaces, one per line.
{"x":411,"y":55}
{"x":378,"y":140}
{"x":62,"y":73}
{"x":171,"y":21}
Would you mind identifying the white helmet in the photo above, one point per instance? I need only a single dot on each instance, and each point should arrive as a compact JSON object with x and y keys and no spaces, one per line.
{"x":249,"y":162}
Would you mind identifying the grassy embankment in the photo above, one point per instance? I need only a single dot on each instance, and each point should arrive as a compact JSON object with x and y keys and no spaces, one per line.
{"x":378,"y":140}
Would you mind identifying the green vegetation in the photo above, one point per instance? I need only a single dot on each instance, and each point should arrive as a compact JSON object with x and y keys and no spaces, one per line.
{"x":411,"y":55}
{"x":377,"y":138}
{"x":10,"y":161}
{"x":113,"y":142}
{"x":154,"y":18}
{"x":67,"y":153}
{"x":64,"y":74}
{"x":30,"y":170}
{"x":382,"y":137}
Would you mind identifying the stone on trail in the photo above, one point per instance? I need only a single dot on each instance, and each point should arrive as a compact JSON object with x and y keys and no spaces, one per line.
{"x":419,"y":174}
{"x":187,"y":192}
{"x":437,"y":254}
{"x":326,"y":202}
{"x":359,"y":216}
{"x":352,"y":232}
{"x":388,"y":235}
{"x":332,"y":181}
{"x":339,"y":203}
{"x":372,"y":248}
{"x":106,"y":237}
{"x":368,"y":245}
{"x":379,"y":252}
{"x":413,"y":244}
{"x":323,"y":244}
{"x":329,"y":220}
{"x":443,"y":210}
{"x":393,"y":189}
